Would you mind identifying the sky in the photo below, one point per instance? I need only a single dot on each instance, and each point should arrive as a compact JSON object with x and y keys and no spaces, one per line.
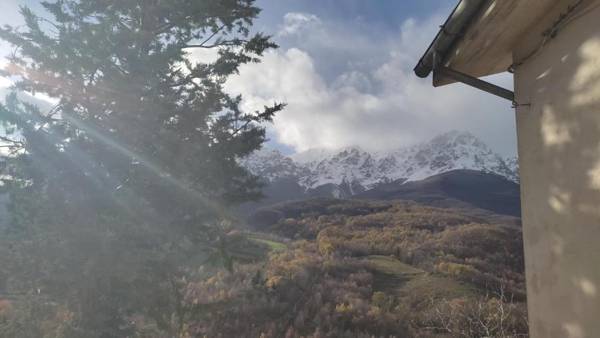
{"x":344,"y":68}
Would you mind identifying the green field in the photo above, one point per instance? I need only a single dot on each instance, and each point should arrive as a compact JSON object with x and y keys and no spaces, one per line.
{"x":414,"y":286}
{"x":392,"y":266}
{"x":271,"y":244}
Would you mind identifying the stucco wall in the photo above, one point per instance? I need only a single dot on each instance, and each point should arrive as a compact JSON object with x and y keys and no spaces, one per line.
{"x":558,"y":127}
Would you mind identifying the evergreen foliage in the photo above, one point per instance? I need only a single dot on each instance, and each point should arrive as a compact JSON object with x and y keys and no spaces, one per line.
{"x":119,"y":191}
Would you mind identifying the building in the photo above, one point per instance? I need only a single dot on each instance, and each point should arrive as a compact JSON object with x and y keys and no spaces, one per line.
{"x":553,"y":49}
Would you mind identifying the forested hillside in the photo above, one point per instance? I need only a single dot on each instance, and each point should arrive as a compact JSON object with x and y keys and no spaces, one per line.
{"x":364,"y":269}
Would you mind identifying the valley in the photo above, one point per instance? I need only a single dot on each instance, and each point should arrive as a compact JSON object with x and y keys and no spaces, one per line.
{"x":362,"y":268}
{"x":422,"y":241}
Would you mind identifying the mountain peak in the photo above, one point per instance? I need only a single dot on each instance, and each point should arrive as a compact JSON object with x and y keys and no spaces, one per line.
{"x":319,"y":154}
{"x":456,"y":137}
{"x":271,"y":164}
{"x":358,"y":168}
{"x":454,"y":133}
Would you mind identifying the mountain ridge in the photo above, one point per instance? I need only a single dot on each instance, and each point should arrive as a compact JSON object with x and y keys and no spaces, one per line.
{"x":351,"y":170}
{"x":459,"y":189}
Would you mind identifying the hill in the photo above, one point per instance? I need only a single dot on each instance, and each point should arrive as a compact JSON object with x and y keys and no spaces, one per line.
{"x":456,"y":189}
{"x":361,"y":268}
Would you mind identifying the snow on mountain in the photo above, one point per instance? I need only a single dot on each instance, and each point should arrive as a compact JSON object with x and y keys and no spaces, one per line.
{"x":358,"y":169}
{"x":449,"y":151}
{"x":271,"y":165}
{"x":346,"y":166}
{"x":513,"y":165}
{"x":312,"y":155}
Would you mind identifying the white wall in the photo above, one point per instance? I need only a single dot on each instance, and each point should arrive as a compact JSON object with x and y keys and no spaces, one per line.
{"x":558,"y":126}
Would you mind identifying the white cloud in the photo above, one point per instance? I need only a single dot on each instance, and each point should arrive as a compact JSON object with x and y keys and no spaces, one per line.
{"x":294,"y":23}
{"x":381,"y":107}
{"x":5,"y":82}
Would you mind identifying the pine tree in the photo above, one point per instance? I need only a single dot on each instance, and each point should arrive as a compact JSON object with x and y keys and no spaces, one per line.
{"x":119,"y":187}
{"x":133,"y":110}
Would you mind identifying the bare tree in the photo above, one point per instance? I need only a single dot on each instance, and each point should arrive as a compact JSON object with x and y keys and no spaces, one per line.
{"x":491,"y":315}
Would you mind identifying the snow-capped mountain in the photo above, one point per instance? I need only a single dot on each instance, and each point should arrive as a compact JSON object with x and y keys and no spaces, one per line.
{"x":271,"y":165}
{"x":354,"y":170}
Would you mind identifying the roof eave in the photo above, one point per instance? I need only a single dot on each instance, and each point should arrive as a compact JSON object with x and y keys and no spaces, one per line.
{"x":449,"y":34}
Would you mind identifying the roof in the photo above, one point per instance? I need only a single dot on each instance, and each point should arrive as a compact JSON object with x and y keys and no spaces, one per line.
{"x":449,"y":33}
{"x":479,"y":36}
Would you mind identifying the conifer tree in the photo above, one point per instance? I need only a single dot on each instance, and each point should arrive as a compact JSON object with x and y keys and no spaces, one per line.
{"x":118,"y":188}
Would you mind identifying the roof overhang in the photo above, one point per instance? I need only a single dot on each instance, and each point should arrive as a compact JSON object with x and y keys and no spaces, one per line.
{"x":479,"y":37}
{"x":449,"y":34}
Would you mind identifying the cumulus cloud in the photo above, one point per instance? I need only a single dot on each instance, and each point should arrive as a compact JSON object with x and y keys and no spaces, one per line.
{"x":380,"y":107}
{"x":294,"y":23}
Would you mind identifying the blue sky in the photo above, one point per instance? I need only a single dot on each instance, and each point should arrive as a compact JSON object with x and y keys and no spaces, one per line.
{"x":345,"y":69}
{"x":378,"y":21}
{"x":384,"y":14}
